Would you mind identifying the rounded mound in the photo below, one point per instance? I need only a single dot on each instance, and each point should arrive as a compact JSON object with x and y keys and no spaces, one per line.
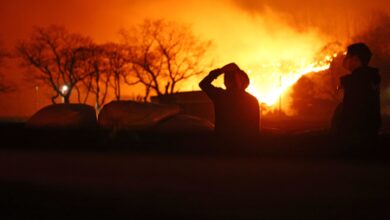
{"x":64,"y":116}
{"x":129,"y":115}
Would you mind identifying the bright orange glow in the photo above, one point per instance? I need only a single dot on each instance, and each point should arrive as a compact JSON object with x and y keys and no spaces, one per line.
{"x":275,"y":42}
{"x":267,"y":88}
{"x":268,"y":82}
{"x":274,"y":54}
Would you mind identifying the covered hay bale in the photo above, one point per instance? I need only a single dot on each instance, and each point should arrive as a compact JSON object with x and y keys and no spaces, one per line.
{"x":133,"y":116}
{"x":64,"y":116}
{"x":181,"y":123}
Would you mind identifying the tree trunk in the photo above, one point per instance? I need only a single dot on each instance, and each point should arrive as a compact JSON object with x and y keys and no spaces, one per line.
{"x":118,"y":89}
{"x":66,"y":99}
{"x":97,"y":95}
{"x":53,"y":99}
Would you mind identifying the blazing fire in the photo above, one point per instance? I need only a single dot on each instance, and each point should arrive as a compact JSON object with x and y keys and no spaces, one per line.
{"x":274,"y":54}
{"x":269,"y":82}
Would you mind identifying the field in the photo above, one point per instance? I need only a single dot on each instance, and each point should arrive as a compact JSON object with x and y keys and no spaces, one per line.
{"x":86,"y":175}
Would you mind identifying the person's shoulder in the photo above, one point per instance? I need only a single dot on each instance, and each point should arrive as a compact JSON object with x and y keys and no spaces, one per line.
{"x":366,"y":70}
{"x":346,"y":77}
{"x":371,"y":73}
{"x":251,"y":97}
{"x":214,"y":89}
{"x":372,"y":69}
{"x":375,"y":75}
{"x":217,"y":91}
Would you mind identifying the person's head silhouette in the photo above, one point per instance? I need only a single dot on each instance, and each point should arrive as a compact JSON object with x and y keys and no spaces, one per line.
{"x":358,"y":55}
{"x":235,"y":78}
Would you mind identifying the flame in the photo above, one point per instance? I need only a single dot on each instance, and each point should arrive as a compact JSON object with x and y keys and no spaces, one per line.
{"x":269,"y":87}
{"x":274,"y":53}
{"x":270,"y":81}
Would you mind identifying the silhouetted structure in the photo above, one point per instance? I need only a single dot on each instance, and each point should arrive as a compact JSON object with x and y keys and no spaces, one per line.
{"x":64,"y":117}
{"x":195,"y":103}
{"x":237,"y":112}
{"x":358,"y":117}
{"x":129,"y":116}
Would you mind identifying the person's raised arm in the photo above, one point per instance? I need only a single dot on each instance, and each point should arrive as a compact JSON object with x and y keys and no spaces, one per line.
{"x":205,"y":84}
{"x":211,"y":91}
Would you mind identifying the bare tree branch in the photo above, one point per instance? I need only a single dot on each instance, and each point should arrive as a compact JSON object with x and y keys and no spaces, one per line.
{"x":164,"y":54}
{"x":4,"y":85}
{"x":55,"y":53}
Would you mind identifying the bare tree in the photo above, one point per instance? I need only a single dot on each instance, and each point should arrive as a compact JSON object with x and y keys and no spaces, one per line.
{"x":164,"y":54}
{"x":95,"y":64}
{"x":4,"y":86}
{"x":119,"y":67}
{"x":108,"y":68}
{"x":56,"y":54}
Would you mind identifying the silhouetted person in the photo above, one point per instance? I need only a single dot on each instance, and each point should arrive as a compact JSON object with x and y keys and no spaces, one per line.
{"x":237,"y":112}
{"x":358,"y":117}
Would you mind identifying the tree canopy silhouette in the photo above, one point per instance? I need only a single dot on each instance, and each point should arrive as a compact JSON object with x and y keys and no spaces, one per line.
{"x":119,"y":67}
{"x":4,"y":85}
{"x":57,"y":56}
{"x":163,"y":54}
{"x":156,"y":54}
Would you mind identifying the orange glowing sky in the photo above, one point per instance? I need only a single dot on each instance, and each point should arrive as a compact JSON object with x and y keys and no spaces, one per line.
{"x":250,"y":32}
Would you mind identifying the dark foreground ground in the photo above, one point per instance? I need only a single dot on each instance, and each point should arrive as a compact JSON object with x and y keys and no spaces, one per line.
{"x":92,"y":175}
